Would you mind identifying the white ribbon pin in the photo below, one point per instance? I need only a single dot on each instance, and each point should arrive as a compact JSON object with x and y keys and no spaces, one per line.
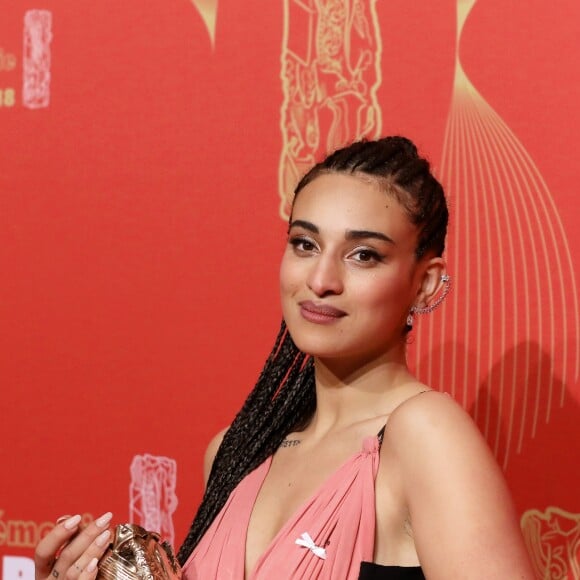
{"x":307,"y":542}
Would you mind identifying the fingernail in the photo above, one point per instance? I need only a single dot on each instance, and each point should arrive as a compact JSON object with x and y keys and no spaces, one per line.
{"x":103,"y":538}
{"x":72,"y":522}
{"x":92,"y":566}
{"x":104,"y":520}
{"x":62,"y":518}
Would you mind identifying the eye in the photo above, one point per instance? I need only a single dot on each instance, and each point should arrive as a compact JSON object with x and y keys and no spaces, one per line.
{"x":366,"y":256}
{"x":302,"y":245}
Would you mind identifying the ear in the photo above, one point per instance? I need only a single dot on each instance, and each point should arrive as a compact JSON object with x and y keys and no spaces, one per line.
{"x":431,"y":281}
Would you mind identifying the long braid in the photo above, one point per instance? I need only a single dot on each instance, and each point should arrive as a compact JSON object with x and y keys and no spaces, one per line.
{"x":284,"y":398}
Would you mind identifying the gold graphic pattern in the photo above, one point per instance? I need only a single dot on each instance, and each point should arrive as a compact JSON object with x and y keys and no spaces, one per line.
{"x":208,"y":12}
{"x":331,"y":72}
{"x":514,"y":312}
{"x":553,"y":541}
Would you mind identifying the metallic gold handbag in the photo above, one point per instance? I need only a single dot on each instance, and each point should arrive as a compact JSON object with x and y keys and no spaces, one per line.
{"x":136,"y":554}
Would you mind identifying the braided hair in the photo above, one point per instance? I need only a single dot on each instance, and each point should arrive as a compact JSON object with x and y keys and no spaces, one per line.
{"x":395,"y":163}
{"x":284,"y":397}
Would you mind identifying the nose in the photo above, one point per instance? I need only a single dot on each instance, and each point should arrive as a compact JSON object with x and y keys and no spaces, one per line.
{"x":325,"y":277}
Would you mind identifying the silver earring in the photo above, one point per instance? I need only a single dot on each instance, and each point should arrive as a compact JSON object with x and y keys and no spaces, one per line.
{"x":430,"y":307}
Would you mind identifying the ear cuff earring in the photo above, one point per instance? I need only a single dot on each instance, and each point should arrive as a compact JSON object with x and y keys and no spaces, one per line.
{"x":437,"y":302}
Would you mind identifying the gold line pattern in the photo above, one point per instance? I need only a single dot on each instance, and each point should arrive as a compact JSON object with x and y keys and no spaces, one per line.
{"x":208,"y":12}
{"x":514,"y":314}
{"x":553,"y":541}
{"x":331,"y":71}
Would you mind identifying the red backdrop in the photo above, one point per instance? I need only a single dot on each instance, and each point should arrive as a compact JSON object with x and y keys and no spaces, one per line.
{"x":147,"y":149}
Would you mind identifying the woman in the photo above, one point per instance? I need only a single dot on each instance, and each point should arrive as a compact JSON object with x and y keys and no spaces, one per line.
{"x":341,"y":464}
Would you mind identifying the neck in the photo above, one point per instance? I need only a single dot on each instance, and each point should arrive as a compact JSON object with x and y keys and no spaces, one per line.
{"x":347,"y":392}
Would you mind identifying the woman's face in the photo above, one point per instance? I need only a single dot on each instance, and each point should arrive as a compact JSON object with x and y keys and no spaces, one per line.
{"x":349,"y":273}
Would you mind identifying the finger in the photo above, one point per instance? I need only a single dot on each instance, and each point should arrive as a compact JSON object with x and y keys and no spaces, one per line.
{"x":93,"y":554}
{"x":47,"y":548}
{"x":60,"y":521}
{"x":78,"y":545}
{"x":91,"y":570}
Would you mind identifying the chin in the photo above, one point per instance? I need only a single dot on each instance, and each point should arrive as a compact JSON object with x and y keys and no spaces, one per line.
{"x":325,"y":346}
{"x":310,"y":346}
{"x":321,"y":347}
{"x":317,"y":346}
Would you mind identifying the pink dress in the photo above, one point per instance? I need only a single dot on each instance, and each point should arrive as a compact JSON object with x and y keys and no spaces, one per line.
{"x":335,"y":529}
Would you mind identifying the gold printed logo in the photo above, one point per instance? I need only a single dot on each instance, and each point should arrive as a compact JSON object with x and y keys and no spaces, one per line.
{"x":331,"y":71}
{"x":208,"y":12}
{"x":553,"y":541}
{"x":27,"y":533}
{"x":7,"y":60}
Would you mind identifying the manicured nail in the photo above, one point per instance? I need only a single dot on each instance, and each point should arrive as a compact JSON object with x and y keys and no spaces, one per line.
{"x":72,"y":522}
{"x":103,"y":538}
{"x":92,"y":566}
{"x":104,"y":520}
{"x":62,"y":518}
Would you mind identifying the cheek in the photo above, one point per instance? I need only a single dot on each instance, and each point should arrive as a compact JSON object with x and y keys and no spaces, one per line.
{"x":288,"y":289}
{"x":287,"y":276}
{"x":383,"y":295}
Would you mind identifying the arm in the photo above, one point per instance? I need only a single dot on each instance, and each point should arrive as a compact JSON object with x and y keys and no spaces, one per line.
{"x":210,"y":454}
{"x":461,"y":512}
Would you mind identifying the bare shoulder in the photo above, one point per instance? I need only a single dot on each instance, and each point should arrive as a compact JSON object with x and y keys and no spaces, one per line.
{"x":438,"y":446}
{"x":431,"y":418}
{"x":457,"y":499}
{"x":211,"y":451}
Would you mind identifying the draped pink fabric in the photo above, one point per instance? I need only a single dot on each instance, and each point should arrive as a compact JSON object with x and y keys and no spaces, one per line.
{"x":340,"y":517}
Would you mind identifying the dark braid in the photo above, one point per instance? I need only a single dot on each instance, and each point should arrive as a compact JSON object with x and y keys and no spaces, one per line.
{"x":284,"y":398}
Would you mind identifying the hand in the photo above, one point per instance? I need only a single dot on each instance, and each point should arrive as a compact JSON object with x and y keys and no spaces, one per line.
{"x":71,"y":553}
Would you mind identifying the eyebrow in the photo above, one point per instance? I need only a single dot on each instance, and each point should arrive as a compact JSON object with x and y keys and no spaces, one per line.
{"x":304,"y":224}
{"x":350,"y":234}
{"x":363,"y":234}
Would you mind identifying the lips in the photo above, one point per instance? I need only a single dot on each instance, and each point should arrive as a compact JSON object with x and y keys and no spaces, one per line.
{"x":320,"y":313}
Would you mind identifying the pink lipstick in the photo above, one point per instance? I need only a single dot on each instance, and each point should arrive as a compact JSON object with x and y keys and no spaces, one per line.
{"x":320,"y":313}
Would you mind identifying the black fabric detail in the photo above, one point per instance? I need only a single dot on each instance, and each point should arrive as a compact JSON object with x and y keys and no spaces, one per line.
{"x":371,"y":571}
{"x":380,"y":435}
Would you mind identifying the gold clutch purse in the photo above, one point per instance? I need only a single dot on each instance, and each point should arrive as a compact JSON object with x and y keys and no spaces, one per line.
{"x":136,"y":554}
